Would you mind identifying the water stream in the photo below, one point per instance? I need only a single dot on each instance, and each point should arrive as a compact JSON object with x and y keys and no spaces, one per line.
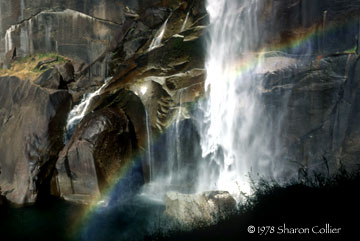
{"x":79,"y":111}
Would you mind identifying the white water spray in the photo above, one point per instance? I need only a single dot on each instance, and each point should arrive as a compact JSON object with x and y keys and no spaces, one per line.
{"x":235,"y":133}
{"x":80,"y":110}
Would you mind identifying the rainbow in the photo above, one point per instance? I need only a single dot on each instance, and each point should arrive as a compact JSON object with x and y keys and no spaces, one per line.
{"x":241,"y":66}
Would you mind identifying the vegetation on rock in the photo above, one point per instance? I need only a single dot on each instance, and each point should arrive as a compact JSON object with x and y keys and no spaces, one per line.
{"x":25,"y":67}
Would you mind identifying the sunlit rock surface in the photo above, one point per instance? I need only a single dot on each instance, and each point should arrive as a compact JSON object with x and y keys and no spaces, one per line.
{"x":195,"y":210}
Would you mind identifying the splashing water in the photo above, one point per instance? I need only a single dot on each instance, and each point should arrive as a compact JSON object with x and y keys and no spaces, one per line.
{"x":80,"y":110}
{"x":156,"y":42}
{"x":235,"y":133}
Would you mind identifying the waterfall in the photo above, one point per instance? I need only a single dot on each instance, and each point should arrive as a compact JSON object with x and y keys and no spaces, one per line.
{"x":236,"y":138}
{"x":159,"y":35}
{"x":80,"y":110}
{"x":8,"y":38}
{"x":150,"y":159}
{"x":167,"y":171}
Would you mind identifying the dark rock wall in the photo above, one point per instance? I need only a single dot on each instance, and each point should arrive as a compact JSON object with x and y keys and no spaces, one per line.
{"x":32,"y":122}
{"x":315,"y":103}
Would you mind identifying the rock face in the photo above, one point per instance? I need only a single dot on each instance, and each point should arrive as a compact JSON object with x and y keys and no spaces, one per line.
{"x":194,"y":210}
{"x":317,"y":27}
{"x":56,"y":78}
{"x":162,"y":89}
{"x":102,"y":146}
{"x":317,"y":102}
{"x":31,"y":129}
{"x":39,"y":27}
{"x":68,"y":32}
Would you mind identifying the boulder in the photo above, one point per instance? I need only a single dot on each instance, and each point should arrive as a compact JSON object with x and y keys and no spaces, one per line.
{"x":32,"y":121}
{"x":195,"y":210}
{"x":50,"y":79}
{"x":66,"y":71}
{"x":132,"y":105}
{"x":98,"y":151}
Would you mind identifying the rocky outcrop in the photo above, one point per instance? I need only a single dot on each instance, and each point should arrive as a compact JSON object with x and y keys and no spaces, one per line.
{"x":164,"y":89}
{"x":101,"y":147}
{"x":196,"y":210}
{"x":57,"y":77}
{"x":31,"y":130}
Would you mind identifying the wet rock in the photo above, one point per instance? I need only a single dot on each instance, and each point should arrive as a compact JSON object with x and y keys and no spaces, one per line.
{"x":196,"y":210}
{"x":100,"y":148}
{"x":313,"y":24}
{"x":31,"y":135}
{"x":74,"y":31}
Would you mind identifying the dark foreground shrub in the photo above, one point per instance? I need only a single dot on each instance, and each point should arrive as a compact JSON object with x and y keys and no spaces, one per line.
{"x":317,"y":208}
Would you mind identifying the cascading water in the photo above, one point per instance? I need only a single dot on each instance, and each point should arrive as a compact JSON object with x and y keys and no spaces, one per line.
{"x":8,"y":38}
{"x":150,"y":159}
{"x":172,"y":158}
{"x":236,"y":136}
{"x":80,"y":110}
